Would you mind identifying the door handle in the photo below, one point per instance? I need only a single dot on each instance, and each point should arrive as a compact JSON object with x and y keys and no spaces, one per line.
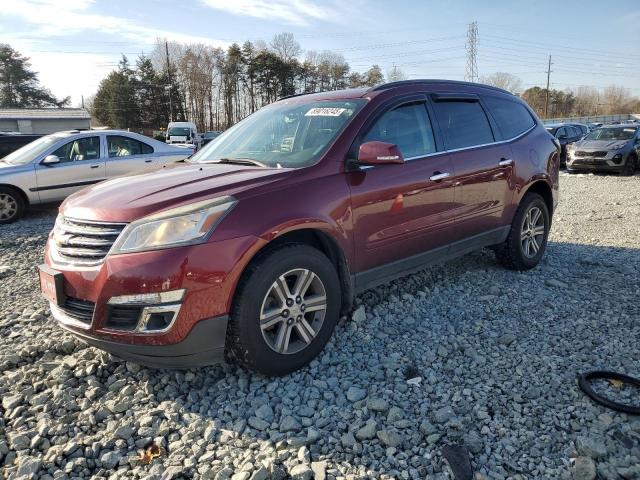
{"x":147,"y":161}
{"x":95,"y":166}
{"x":505,"y":162}
{"x":437,"y":176}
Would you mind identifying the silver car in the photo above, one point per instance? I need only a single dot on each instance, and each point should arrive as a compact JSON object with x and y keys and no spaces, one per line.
{"x":53,"y":167}
{"x":612,"y":148}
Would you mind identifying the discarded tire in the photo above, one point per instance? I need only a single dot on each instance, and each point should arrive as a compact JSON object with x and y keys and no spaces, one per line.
{"x":584,"y":381}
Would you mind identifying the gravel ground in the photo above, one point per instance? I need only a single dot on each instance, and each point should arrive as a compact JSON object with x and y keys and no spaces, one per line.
{"x":495,"y":354}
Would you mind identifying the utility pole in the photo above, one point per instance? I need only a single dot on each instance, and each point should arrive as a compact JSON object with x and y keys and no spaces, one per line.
{"x":471,"y":46}
{"x":82,"y":98}
{"x":546,"y":101}
{"x":166,"y":48}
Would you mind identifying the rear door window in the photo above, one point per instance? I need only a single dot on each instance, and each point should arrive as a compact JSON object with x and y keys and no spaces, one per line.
{"x":408,"y":127}
{"x":561,"y":132}
{"x":120,"y":146}
{"x":463,"y":123}
{"x":512,"y":118}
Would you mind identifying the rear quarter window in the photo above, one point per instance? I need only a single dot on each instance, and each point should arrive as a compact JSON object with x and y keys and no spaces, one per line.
{"x":464,"y":124}
{"x":511,"y":116}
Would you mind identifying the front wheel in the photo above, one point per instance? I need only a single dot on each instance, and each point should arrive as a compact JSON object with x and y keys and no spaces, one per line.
{"x":630,"y":166}
{"x":11,"y":205}
{"x":527,"y":240}
{"x":285,"y":310}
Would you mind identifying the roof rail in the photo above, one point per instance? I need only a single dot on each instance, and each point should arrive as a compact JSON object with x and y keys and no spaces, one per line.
{"x":425,"y":81}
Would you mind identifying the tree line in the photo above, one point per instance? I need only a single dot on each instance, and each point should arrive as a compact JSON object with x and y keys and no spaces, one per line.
{"x":581,"y":102}
{"x":216,"y":88}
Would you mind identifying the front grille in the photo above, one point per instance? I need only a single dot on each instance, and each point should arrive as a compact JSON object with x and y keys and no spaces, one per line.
{"x":79,"y":310}
{"x":83,"y":241}
{"x":598,"y":154}
{"x":123,"y":317}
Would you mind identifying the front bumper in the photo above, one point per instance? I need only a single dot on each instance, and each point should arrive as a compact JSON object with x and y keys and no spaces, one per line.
{"x":590,"y":163}
{"x":206,"y":273}
{"x":204,"y":345}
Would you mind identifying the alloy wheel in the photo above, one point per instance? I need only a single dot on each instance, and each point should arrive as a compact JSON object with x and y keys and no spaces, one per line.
{"x":293,"y":311}
{"x":8,"y":206}
{"x":532,"y":232}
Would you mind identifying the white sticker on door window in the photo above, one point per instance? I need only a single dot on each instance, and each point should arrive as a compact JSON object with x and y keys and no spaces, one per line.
{"x":324,"y":112}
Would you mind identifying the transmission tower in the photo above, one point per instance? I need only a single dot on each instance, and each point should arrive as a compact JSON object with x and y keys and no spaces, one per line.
{"x":471,"y":47}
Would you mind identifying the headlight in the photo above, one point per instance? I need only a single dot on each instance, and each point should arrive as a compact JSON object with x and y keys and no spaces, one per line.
{"x":186,"y":225}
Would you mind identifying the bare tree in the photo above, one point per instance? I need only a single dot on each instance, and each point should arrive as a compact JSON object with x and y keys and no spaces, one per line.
{"x":503,"y":80}
{"x":285,"y":46}
{"x":396,"y":74}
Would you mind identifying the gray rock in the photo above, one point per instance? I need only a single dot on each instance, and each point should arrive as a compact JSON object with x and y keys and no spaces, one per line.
{"x":593,"y":447}
{"x":507,"y":339}
{"x":355,"y":394}
{"x":301,"y":472}
{"x":377,"y":404}
{"x":395,"y":414}
{"x":584,"y":468}
{"x":319,"y":470}
{"x":260,"y":474}
{"x":28,"y":467}
{"x":110,"y":460}
{"x":258,"y":423}
{"x":265,"y":412}
{"x":390,"y":438}
{"x":290,"y":424}
{"x":552,"y":282}
{"x":348,"y":440}
{"x":367,"y":431}
{"x":443,"y":415}
{"x":9,"y":402}
{"x":224,"y":474}
{"x":359,"y":315}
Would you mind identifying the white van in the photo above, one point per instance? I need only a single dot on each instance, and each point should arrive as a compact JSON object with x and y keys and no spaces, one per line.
{"x":183,"y":133}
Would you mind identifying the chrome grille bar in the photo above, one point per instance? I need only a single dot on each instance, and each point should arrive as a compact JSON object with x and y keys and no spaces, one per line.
{"x":84,"y":242}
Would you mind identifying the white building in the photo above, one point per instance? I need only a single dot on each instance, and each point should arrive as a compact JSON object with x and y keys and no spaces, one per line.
{"x":43,"y":120}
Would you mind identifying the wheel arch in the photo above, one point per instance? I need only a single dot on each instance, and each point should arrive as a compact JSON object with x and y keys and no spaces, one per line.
{"x":319,"y":238}
{"x":542,"y":188}
{"x":21,"y":192}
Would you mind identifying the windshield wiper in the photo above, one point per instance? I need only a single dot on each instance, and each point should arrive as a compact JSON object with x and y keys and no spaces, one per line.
{"x":240,"y":161}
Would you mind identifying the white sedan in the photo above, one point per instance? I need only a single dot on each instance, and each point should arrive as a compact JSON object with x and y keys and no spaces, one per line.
{"x":53,"y":167}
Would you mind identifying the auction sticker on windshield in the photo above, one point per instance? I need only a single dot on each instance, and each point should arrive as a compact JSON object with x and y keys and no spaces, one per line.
{"x":325,"y":112}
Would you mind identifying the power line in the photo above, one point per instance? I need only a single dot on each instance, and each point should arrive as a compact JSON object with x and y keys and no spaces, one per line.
{"x":471,"y":46}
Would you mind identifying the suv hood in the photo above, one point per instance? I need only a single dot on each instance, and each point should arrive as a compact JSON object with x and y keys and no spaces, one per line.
{"x":129,"y":198}
{"x":601,"y":144}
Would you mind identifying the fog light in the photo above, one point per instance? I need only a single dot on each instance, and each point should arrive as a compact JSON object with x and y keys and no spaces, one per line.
{"x":617,"y":158}
{"x":158,"y":319}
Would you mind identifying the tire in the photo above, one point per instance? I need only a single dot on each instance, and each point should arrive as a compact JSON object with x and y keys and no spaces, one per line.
{"x":630,"y":166}
{"x":11,"y":205}
{"x":263,"y":348}
{"x":513,"y":253}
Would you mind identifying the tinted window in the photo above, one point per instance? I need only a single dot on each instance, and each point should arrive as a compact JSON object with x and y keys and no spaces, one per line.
{"x":124,"y":146}
{"x":87,"y":148}
{"x":408,"y":127}
{"x":561,"y":132}
{"x":464,"y":124}
{"x":512,"y":117}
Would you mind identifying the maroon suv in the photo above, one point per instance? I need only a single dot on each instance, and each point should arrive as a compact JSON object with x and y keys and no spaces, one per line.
{"x":256,"y":245}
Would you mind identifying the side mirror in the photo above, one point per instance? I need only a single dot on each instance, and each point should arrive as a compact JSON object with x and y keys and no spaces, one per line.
{"x":379,"y":153}
{"x":50,"y":160}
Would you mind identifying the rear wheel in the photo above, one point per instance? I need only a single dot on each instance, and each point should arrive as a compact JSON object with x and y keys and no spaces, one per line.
{"x":630,"y":165}
{"x":11,"y":205}
{"x":285,"y":310}
{"x":528,"y":235}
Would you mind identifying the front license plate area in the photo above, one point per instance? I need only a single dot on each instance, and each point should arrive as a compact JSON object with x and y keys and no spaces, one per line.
{"x":52,"y":284}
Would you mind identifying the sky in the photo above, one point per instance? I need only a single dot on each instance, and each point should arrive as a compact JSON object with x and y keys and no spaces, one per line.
{"x":73,"y":44}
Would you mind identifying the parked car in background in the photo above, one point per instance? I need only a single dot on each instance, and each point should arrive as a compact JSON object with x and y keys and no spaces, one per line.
{"x":584,"y":129}
{"x":12,"y":141}
{"x":613,"y":148}
{"x":208,"y":136}
{"x":259,"y":241}
{"x":54,"y":166}
{"x":185,"y":133}
{"x":566,"y":133}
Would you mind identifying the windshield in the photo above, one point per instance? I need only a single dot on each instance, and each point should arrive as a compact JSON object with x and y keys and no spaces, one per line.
{"x":291,"y":135}
{"x":620,"y":133}
{"x":179,"y":132}
{"x":211,"y":134}
{"x":31,"y":150}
